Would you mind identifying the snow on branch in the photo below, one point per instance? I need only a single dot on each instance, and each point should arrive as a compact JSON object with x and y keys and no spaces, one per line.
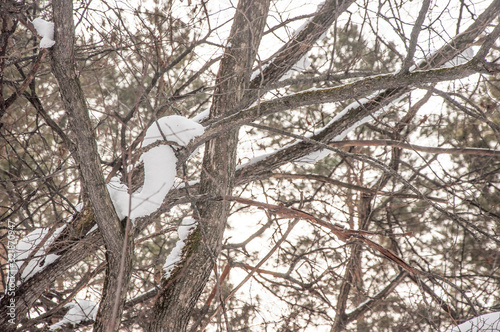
{"x":37,"y":261}
{"x":304,"y":38}
{"x":46,"y":31}
{"x":485,"y":323}
{"x":159,"y":167}
{"x":358,"y":89}
{"x":350,"y":118}
{"x":185,"y":229}
{"x":79,"y":312}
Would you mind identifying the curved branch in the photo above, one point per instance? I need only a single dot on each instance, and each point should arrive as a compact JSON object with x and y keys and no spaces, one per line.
{"x":339,"y":231}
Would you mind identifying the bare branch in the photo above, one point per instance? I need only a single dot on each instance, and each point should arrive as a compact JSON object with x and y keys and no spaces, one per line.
{"x":410,"y":146}
{"x":414,"y":36}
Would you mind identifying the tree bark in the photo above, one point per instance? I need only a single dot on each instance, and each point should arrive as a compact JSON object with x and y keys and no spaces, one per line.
{"x":118,"y":268}
{"x":174,"y":304}
{"x":393,"y":90}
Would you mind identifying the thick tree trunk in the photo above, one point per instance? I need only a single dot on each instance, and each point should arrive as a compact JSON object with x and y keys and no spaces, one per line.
{"x":118,"y":255}
{"x":180,"y":292}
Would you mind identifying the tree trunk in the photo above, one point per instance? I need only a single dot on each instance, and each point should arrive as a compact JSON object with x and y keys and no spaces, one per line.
{"x":118,"y":254}
{"x":181,"y":291}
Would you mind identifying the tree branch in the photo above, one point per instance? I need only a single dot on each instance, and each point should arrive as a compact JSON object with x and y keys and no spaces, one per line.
{"x":374,"y":300}
{"x":392,"y":84}
{"x":178,"y":296}
{"x":414,"y":36}
{"x":339,"y":231}
{"x":414,"y":147}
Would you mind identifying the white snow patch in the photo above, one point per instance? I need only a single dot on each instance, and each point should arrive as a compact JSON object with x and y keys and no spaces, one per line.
{"x":320,"y":154}
{"x":79,"y":207}
{"x":460,"y":59}
{"x":80,"y":311}
{"x":159,"y":168}
{"x":46,"y":31}
{"x":323,"y":153}
{"x":262,"y":157}
{"x":202,"y":116}
{"x":92,"y":229}
{"x":343,"y":134}
{"x":301,"y":27}
{"x":185,"y":228}
{"x":355,"y":104}
{"x":306,"y":22}
{"x":304,"y":63}
{"x":39,"y":261}
{"x":180,"y":184}
{"x":300,"y":66}
{"x":175,"y":128}
{"x":485,"y":323}
{"x":314,"y":157}
{"x":260,"y":69}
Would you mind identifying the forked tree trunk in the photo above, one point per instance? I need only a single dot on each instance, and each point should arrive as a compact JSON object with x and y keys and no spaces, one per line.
{"x":118,"y":256}
{"x":181,"y":291}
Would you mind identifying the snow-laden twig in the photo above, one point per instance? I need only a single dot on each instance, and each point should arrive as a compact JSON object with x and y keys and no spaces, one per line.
{"x":39,"y":261}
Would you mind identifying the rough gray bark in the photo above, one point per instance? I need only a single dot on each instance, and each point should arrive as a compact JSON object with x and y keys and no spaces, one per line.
{"x":395,"y":86}
{"x":289,"y":54}
{"x":112,"y":230}
{"x":174,"y":304}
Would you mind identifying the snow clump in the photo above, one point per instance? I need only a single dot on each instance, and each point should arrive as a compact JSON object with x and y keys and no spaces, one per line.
{"x":79,"y":312}
{"x":46,"y":31}
{"x":39,"y":261}
{"x":185,"y":228}
{"x":159,"y":168}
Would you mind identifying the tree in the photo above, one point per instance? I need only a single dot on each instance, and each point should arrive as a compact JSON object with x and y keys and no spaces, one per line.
{"x":357,"y":192}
